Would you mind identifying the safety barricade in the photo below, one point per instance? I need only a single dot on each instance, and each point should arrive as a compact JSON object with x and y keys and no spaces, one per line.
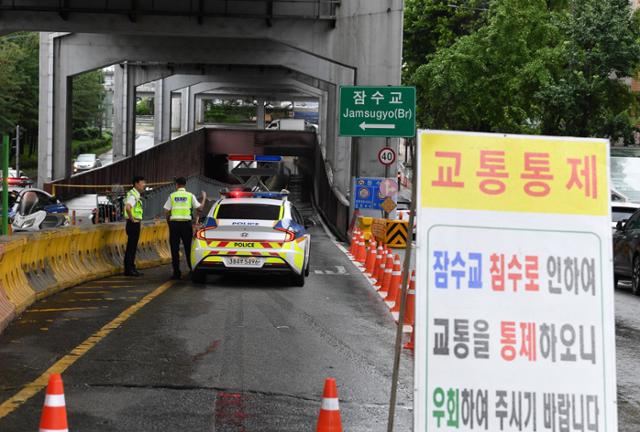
{"x":379,"y":230}
{"x":397,"y":234}
{"x":389,"y":232}
{"x":364,"y":225}
{"x":14,"y":280}
{"x":36,"y":265}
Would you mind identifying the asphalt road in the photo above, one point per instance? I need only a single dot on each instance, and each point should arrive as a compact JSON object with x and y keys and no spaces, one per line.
{"x":242,"y":353}
{"x":628,"y":359}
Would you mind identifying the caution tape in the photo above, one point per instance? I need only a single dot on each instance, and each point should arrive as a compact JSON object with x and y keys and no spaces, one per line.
{"x":54,"y":186}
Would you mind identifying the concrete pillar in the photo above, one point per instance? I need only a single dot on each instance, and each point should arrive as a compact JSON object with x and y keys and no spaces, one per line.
{"x":191,"y":110}
{"x":158,"y":108}
{"x":260,"y":113}
{"x":176,"y":108}
{"x":184,"y":110}
{"x":199,"y":120}
{"x":124,"y":100}
{"x":61,"y":125}
{"x":323,"y":120}
{"x":45,"y":113}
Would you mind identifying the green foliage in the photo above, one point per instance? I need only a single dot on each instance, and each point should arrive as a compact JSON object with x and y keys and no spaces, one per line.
{"x":533,"y":66}
{"x":87,"y":133}
{"x":97,"y":145}
{"x":19,"y":81}
{"x":229,"y":113}
{"x":144,"y":107}
{"x":431,"y":25}
{"x":588,"y":97}
{"x":87,"y":100}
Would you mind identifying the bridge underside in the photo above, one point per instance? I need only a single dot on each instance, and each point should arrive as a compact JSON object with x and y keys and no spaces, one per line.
{"x":193,"y":51}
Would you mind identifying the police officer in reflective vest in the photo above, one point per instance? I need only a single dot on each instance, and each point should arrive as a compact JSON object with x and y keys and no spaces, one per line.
{"x":133,"y":212}
{"x":178,"y":209}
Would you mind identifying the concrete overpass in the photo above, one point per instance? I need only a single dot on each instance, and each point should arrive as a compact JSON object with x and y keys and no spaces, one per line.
{"x":258,"y":48}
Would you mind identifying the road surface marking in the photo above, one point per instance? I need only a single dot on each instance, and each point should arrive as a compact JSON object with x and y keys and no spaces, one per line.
{"x":65,"y":309}
{"x":91,"y":292}
{"x":31,"y":389}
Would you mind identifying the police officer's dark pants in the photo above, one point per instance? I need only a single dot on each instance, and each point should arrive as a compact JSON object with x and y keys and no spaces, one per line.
{"x":133,"y":235}
{"x":180,"y":230}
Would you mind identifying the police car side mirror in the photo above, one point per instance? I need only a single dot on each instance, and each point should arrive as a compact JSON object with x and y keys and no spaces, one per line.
{"x":308,"y":223}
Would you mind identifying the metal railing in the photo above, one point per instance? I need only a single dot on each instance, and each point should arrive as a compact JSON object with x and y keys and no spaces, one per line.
{"x":200,"y":9}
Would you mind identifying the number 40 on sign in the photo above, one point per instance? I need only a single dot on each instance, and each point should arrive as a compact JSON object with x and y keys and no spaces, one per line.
{"x":387,"y":156}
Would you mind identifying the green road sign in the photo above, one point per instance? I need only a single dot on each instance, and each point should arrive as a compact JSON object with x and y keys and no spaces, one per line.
{"x":377,"y":111}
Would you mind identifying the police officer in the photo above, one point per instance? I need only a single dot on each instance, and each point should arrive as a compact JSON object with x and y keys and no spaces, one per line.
{"x":178,"y":209}
{"x":133,"y":212}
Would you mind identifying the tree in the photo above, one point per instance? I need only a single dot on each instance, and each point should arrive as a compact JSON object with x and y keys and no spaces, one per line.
{"x":19,"y":81}
{"x":552,"y":67}
{"x":87,"y":100}
{"x":430,"y":25}
{"x":589,"y":96}
{"x":487,"y":80}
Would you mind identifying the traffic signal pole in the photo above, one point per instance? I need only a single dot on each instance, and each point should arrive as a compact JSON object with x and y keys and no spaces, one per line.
{"x":5,"y":184}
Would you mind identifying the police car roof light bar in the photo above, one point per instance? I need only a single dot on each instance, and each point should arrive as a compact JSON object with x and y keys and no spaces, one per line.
{"x":256,"y":158}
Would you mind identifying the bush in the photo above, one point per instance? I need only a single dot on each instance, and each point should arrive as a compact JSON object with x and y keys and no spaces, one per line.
{"x":87,"y":133}
{"x":144,"y":107}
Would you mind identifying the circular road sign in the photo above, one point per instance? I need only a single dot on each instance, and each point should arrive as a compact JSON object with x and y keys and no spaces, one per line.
{"x":387,"y":156}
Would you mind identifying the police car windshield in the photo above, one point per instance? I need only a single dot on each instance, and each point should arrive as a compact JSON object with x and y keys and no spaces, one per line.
{"x":249,"y":211}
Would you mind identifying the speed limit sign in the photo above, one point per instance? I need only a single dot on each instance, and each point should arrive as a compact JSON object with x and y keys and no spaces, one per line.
{"x":387,"y":156}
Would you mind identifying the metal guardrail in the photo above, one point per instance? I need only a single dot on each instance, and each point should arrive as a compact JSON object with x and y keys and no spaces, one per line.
{"x":200,"y":9}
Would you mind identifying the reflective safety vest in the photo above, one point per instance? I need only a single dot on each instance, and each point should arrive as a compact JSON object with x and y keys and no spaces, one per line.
{"x":181,"y":204}
{"x":137,"y":208}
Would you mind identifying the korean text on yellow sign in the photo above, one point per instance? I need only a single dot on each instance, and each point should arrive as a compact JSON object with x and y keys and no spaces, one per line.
{"x":514,"y":173}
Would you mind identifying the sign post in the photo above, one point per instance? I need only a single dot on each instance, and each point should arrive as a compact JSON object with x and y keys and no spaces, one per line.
{"x":515,"y":312}
{"x":377,"y":111}
{"x":5,"y":184}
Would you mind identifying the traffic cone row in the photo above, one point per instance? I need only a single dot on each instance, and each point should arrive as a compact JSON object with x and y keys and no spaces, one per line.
{"x":384,"y":270}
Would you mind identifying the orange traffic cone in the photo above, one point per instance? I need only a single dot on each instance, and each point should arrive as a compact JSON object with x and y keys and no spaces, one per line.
{"x":54,"y":413}
{"x":388,"y":272}
{"x":361,"y":254}
{"x":371,"y":258}
{"x":412,"y":342}
{"x":409,"y":316}
{"x":376,"y":274}
{"x":396,"y":280}
{"x":381,"y":270}
{"x":395,"y":309}
{"x":354,"y":244}
{"x":329,"y":418}
{"x":412,"y":286}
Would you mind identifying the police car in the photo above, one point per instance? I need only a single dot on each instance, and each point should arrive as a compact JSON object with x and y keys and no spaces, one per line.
{"x":252,"y":231}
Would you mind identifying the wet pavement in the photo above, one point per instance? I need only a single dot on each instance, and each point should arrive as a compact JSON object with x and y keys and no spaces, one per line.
{"x":241,"y":353}
{"x":628,"y":359}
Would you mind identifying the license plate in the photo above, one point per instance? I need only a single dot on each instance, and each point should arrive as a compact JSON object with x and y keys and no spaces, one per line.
{"x":251,"y":262}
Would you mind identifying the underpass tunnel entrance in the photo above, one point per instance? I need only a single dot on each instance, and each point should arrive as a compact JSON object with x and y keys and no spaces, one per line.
{"x":295,"y":172}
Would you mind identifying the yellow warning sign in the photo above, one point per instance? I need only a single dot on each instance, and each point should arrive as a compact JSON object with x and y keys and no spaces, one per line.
{"x":397,"y":234}
{"x":388,"y":205}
